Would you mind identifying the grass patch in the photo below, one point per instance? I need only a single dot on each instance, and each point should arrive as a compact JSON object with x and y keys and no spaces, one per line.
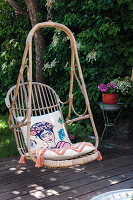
{"x":7,"y":141}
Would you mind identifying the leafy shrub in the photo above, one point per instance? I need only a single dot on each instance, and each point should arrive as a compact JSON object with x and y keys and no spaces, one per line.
{"x":13,"y":32}
{"x":103,"y":31}
{"x":79,"y":132}
{"x":8,"y":146}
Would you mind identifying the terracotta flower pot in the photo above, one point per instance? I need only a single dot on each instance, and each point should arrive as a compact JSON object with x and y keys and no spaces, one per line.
{"x":110,"y":98}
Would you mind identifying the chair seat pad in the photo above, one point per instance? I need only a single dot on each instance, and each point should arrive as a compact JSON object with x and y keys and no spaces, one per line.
{"x":65,"y":153}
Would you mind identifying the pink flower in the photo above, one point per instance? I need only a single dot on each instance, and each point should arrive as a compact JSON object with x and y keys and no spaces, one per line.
{"x":72,"y":137}
{"x":104,"y":89}
{"x":108,"y":84}
{"x":108,"y":88}
{"x":101,"y":85}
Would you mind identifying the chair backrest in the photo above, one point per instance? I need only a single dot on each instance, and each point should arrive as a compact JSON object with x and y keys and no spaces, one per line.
{"x":46,"y":116}
{"x":44,"y":99}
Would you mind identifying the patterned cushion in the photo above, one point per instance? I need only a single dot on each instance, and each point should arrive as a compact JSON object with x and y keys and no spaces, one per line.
{"x":64,"y":153}
{"x":47,"y":131}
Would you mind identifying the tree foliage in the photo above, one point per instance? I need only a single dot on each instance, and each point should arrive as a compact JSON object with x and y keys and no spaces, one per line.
{"x":103,"y":31}
{"x":13,"y":32}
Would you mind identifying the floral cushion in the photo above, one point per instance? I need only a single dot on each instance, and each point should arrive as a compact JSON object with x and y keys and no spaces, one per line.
{"x":46,"y":131}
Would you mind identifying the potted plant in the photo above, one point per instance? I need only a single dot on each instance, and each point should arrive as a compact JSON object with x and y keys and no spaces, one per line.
{"x":123,"y":84}
{"x":109,"y":93}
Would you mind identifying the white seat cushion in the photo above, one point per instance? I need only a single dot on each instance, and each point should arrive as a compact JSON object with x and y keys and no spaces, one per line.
{"x":47,"y":131}
{"x":65,"y":153}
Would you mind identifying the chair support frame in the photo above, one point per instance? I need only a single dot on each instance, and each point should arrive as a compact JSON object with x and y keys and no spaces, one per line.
{"x":27,"y":89}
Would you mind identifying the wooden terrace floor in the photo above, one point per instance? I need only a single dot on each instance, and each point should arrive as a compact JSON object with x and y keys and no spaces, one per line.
{"x":25,"y":182}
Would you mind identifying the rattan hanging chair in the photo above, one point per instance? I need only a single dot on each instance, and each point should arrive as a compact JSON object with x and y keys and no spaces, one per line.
{"x":36,"y":117}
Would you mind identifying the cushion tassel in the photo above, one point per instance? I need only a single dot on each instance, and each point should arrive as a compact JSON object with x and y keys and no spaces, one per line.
{"x":99,"y":158}
{"x":22,"y":159}
{"x":39,"y":161}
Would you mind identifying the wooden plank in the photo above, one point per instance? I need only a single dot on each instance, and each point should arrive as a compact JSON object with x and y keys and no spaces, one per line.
{"x":6,"y":166}
{"x":34,"y":175}
{"x":23,"y":170}
{"x":25,"y":188}
{"x":50,"y":183}
{"x":7,"y":160}
{"x":13,"y":163}
{"x":43,"y":175}
{"x":108,"y":163}
{"x":49,"y":180}
{"x":17,"y":175}
{"x":128,"y":184}
{"x":74,"y":193}
{"x":75,"y":185}
{"x":6,"y":163}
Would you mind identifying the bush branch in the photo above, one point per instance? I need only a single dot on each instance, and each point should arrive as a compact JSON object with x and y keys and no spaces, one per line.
{"x":17,"y":9}
{"x":132,"y":75}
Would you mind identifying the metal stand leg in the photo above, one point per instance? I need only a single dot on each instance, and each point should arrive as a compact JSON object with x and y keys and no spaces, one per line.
{"x":106,"y":119}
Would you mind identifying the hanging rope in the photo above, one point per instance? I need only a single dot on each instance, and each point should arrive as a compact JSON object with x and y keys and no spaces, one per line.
{"x":49,"y":8}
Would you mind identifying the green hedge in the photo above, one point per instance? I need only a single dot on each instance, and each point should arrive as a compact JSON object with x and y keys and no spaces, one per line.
{"x":103,"y":31}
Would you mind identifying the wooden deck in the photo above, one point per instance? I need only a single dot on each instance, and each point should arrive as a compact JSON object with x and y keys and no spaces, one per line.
{"x":26,"y":182}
